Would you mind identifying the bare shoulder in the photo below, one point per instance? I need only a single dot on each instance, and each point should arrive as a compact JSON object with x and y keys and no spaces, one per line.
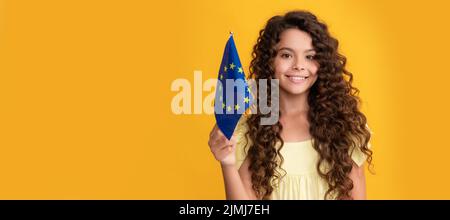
{"x":359,"y":182}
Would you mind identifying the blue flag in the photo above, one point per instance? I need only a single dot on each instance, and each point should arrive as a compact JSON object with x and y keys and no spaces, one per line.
{"x":233,"y":95}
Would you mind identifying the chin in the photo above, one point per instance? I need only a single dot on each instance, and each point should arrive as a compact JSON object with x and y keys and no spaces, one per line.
{"x":295,"y":91}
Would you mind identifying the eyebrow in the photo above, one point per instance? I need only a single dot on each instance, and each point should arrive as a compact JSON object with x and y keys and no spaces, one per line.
{"x":290,"y":49}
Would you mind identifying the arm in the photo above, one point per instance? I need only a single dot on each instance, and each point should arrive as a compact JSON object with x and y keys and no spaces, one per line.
{"x":359,"y":182}
{"x":238,"y":184}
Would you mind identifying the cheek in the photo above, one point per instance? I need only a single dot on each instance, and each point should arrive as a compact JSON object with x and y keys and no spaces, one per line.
{"x":313,"y":68}
{"x":314,"y":78}
{"x":281,"y":67}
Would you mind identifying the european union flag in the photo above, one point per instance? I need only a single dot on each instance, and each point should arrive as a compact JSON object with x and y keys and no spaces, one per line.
{"x":233,"y":95}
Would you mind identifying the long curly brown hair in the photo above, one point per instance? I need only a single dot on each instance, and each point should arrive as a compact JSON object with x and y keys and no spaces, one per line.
{"x":336,"y":123}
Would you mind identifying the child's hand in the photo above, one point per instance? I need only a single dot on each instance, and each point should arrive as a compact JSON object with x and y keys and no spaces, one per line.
{"x":222,"y":148}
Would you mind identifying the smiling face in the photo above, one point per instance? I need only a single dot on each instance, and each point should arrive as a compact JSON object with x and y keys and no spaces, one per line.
{"x":295,"y":66}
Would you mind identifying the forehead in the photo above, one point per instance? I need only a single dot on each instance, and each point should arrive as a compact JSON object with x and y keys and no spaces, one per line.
{"x":295,"y":39}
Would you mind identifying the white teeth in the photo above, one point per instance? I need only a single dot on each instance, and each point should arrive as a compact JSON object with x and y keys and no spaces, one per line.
{"x":297,"y":77}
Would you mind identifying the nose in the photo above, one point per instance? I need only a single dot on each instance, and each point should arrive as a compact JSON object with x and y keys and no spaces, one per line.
{"x":298,"y":68}
{"x":299,"y":64}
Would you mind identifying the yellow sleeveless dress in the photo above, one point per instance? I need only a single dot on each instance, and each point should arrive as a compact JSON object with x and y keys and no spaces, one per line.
{"x":301,"y":180}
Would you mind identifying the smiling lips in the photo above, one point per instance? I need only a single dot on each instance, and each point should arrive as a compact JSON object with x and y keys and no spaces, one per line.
{"x":297,"y":78}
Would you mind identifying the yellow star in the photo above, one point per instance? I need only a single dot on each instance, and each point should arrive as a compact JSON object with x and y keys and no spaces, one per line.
{"x":225,"y":68}
{"x":223,"y":105}
{"x":229,"y":108}
{"x":246,"y":100}
{"x":248,"y":89}
{"x":221,"y":76}
{"x":220,"y":98}
{"x":240,"y":70}
{"x":232,"y":66}
{"x":236,"y":107}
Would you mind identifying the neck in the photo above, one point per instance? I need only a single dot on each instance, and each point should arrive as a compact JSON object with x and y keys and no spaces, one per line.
{"x":293,"y":104}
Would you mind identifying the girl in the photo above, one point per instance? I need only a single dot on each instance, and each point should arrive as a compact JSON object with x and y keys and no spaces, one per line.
{"x":317,"y":148}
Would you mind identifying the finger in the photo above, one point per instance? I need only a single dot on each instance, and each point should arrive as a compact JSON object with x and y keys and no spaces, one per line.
{"x":230,"y":143}
{"x":219,"y":142}
{"x":213,"y":130}
{"x":233,"y":140}
{"x":226,"y":150}
{"x":218,"y":133}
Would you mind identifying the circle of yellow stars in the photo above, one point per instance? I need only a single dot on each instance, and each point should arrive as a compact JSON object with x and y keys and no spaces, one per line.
{"x":232,"y":66}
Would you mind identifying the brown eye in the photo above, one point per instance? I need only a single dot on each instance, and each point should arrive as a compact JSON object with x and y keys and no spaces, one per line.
{"x":310,"y":57}
{"x":285,"y":55}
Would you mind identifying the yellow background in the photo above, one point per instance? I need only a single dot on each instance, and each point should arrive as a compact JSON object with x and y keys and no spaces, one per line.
{"x":85,"y":93}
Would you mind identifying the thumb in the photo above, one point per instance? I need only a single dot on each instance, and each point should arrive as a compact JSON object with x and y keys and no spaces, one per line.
{"x":233,"y":140}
